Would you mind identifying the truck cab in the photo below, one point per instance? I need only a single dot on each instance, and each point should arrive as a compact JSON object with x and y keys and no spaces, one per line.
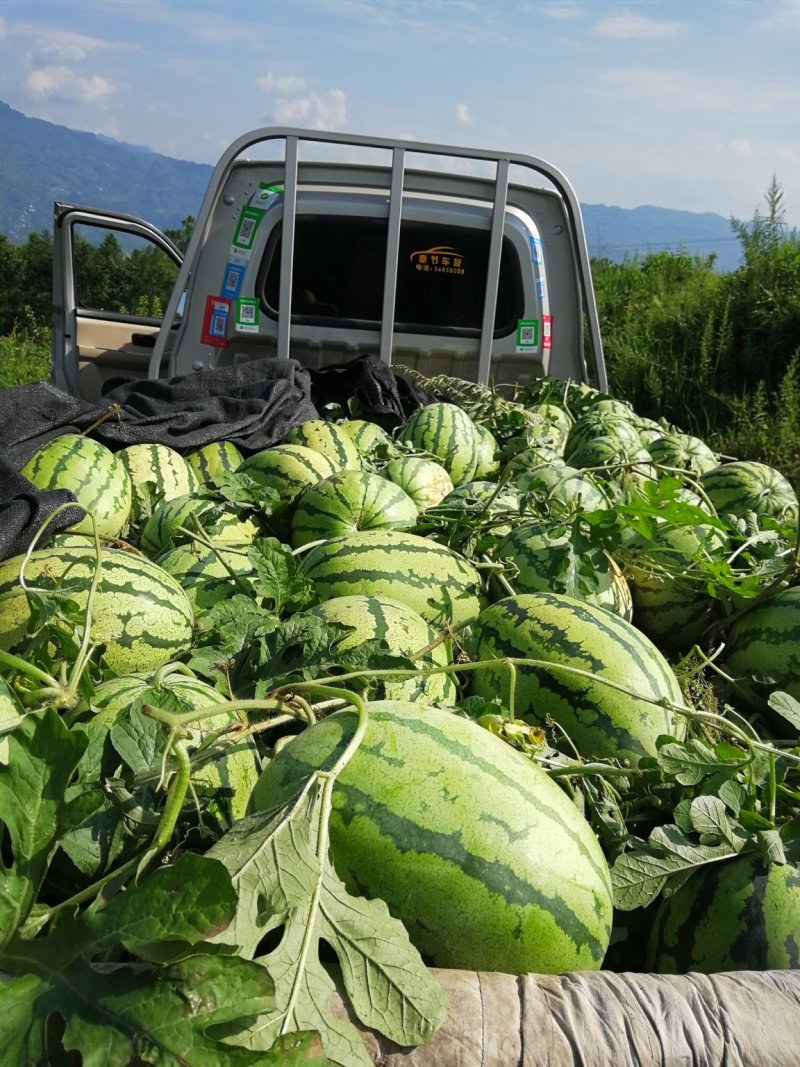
{"x":323,"y":247}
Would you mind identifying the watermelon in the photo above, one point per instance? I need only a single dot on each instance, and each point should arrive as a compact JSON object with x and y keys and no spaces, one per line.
{"x":671,"y":602}
{"x":684,"y":452}
{"x":92,"y":473}
{"x":762,"y":651}
{"x":551,"y":413}
{"x":484,"y":859}
{"x":369,"y":438}
{"x":224,"y":781}
{"x":404,"y":633}
{"x":349,"y":501}
{"x":205,"y":573}
{"x":488,"y":463}
{"x":213,"y":459}
{"x":596,"y":424}
{"x":218,"y":523}
{"x":742,"y":486}
{"x":288,"y":469}
{"x":140,"y":613}
{"x":329,"y":440}
{"x":735,"y":915}
{"x":427,"y":577}
{"x":425,"y":480}
{"x":561,"y":491}
{"x":601,"y":722}
{"x":157,"y":473}
{"x":448,"y":434}
{"x":540,"y":558}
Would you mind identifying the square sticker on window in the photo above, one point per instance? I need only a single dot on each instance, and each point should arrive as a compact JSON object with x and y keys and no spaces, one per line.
{"x":247,"y":313}
{"x":527,"y":334}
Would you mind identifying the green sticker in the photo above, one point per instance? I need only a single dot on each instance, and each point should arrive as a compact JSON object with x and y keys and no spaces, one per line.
{"x":247,"y":314}
{"x":246,"y":226}
{"x":527,"y":333}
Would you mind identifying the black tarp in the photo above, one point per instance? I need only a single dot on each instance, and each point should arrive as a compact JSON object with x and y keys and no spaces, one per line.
{"x":253,"y":405}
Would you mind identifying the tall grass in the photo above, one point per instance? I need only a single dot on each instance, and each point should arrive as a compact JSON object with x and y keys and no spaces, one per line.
{"x":24,"y":355}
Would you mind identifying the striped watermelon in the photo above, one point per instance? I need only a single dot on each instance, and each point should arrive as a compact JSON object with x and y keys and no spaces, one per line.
{"x":141,"y":615}
{"x":427,"y":577}
{"x":682,"y":451}
{"x":485,"y":860}
{"x":349,"y":501}
{"x":762,"y":651}
{"x":555,"y":415}
{"x":157,"y":473}
{"x":205,"y":573}
{"x":561,"y":491}
{"x":404,"y":632}
{"x":540,"y":558}
{"x":328,"y":439}
{"x":218,"y":523}
{"x":671,"y":602}
{"x":736,"y":488}
{"x":448,"y":434}
{"x":602,"y":722}
{"x":224,"y":781}
{"x":214,"y":459}
{"x":369,"y":438}
{"x":97,"y":478}
{"x":488,"y":455}
{"x":425,"y":480}
{"x":596,"y":424}
{"x":735,"y":915}
{"x":288,"y":469}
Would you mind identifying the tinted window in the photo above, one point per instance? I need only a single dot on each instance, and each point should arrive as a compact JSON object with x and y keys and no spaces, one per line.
{"x":441,"y":275}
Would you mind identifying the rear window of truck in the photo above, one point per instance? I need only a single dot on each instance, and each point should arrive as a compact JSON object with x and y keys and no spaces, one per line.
{"x":441,"y":276}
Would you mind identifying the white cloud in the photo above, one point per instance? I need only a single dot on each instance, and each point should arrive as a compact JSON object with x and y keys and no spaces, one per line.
{"x":463,"y":117}
{"x":564,"y":11}
{"x":627,"y":25}
{"x":741,"y":147}
{"x":63,"y":83}
{"x":320,"y":111}
{"x":286,"y":85}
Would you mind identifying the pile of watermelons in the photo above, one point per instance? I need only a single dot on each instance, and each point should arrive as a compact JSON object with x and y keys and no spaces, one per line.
{"x":525,"y":673}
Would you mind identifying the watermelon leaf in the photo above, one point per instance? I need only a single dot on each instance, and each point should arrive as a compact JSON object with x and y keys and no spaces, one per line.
{"x":43,"y":756}
{"x":281,"y":881}
{"x":786,"y":706}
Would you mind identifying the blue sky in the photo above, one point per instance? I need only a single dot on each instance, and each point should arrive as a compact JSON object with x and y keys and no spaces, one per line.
{"x":691,"y":105}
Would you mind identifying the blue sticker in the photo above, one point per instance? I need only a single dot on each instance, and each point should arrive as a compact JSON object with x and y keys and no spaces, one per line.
{"x":540,"y":288}
{"x":536,"y":249}
{"x":232,"y":282}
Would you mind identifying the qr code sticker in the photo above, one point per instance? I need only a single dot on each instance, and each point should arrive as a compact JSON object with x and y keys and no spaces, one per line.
{"x":527,"y":335}
{"x":247,"y":313}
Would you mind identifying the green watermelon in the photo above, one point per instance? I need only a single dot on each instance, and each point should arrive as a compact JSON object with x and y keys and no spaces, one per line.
{"x":218,"y":523}
{"x":541,"y":558}
{"x":428,"y":577}
{"x":157,"y":473}
{"x":349,"y":501}
{"x":488,"y":452}
{"x":207,"y":575}
{"x":602,"y":722}
{"x":735,"y":915}
{"x":736,"y":488}
{"x":369,"y":438}
{"x":448,"y":434}
{"x":288,"y":469}
{"x":225,"y":780}
{"x":140,"y":613}
{"x":404,"y":632}
{"x":425,"y":480}
{"x":97,"y":478}
{"x":596,"y":424}
{"x":213,"y":459}
{"x":561,"y":491}
{"x":485,"y":860}
{"x":762,"y":650}
{"x":684,"y":452}
{"x":329,"y":440}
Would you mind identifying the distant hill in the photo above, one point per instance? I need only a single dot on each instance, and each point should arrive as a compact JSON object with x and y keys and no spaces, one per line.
{"x":41,"y":162}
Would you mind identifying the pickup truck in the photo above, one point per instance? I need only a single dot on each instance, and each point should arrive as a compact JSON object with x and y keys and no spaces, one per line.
{"x":326,"y":246}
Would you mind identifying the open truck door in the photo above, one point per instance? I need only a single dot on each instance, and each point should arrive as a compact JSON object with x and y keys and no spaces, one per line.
{"x":113,"y":275}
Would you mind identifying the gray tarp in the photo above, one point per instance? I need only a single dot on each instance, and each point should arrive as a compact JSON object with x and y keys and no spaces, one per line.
{"x":603,"y":1019}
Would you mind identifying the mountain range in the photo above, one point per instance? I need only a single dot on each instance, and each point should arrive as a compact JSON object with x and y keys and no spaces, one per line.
{"x":41,"y":162}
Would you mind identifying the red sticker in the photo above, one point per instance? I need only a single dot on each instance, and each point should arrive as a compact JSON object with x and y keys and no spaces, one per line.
{"x":547,"y":331}
{"x":215,"y":322}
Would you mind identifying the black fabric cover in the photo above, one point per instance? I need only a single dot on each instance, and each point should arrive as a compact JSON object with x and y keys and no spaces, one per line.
{"x":253,"y":405}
